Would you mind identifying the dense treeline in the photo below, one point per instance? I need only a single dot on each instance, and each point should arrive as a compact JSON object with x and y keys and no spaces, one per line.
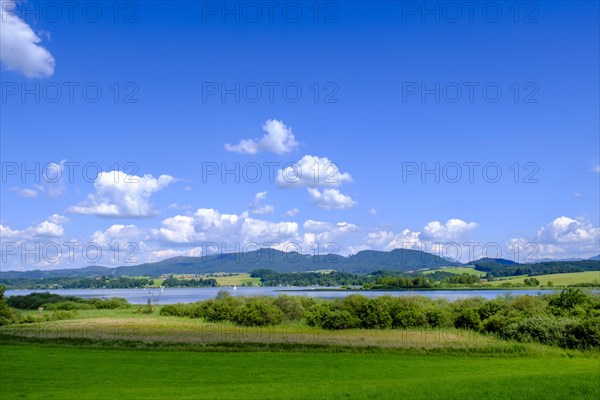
{"x":102,"y":282}
{"x":495,"y":269}
{"x":272,"y":278}
{"x":423,"y":281}
{"x":51,"y":301}
{"x":568,"y":319}
{"x":174,"y":282}
{"x":61,"y":307}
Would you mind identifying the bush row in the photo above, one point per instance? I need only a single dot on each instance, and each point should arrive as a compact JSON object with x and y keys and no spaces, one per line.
{"x":51,"y":301}
{"x":567,"y":319}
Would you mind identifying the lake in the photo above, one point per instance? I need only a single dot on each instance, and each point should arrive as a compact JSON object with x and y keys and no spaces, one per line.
{"x":187,"y":295}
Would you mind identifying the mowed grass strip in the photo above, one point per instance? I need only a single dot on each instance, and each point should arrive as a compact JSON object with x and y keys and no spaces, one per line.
{"x":54,"y":372}
{"x":457,"y":270}
{"x":572,"y":278}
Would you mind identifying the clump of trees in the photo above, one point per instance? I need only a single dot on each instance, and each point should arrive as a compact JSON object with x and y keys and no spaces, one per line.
{"x":334,"y":278}
{"x":7,"y":314}
{"x":51,"y":301}
{"x":174,"y":282}
{"x":569,"y":319}
{"x":101,"y":282}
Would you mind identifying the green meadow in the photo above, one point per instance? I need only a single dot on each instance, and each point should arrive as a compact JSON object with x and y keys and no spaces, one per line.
{"x":50,"y":371}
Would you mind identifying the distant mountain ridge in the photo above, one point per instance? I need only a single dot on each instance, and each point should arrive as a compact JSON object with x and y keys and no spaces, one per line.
{"x":362,"y":262}
{"x":366,"y":261}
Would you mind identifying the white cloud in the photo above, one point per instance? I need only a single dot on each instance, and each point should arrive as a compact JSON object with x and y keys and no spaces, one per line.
{"x":577,"y":194}
{"x":387,"y":240}
{"x":209,"y":225}
{"x":330,"y":199}
{"x":443,"y":240}
{"x":279,"y":139}
{"x":562,"y":238}
{"x":327,"y":238}
{"x":312,"y":171}
{"x":291,"y":213}
{"x":373,"y":211}
{"x":452,"y":230}
{"x":121,"y":234}
{"x":52,"y":227}
{"x":21,"y":50}
{"x":317,"y":226}
{"x":27,"y":193}
{"x":596,"y":169}
{"x":162,"y":254}
{"x":257,"y":208}
{"x":120,"y":195}
{"x":177,"y":206}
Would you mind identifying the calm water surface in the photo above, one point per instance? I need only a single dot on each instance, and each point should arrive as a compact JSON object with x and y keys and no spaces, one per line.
{"x":187,"y":295}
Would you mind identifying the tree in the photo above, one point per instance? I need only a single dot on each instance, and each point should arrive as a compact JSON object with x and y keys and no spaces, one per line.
{"x":7,"y":314}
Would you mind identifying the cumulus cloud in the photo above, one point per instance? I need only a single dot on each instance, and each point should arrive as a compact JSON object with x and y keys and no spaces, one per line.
{"x":120,"y":195}
{"x":21,"y":49}
{"x":256,"y":207}
{"x":209,"y":225}
{"x":564,"y":237}
{"x":291,"y":213}
{"x":452,"y":230}
{"x":312,"y":171}
{"x":51,"y":227}
{"x":278,"y":139}
{"x":330,"y":199}
{"x":443,"y":240}
{"x":122,"y":234}
{"x":372,"y":211}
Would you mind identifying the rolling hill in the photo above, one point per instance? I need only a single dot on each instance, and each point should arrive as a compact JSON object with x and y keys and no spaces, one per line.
{"x":362,"y":262}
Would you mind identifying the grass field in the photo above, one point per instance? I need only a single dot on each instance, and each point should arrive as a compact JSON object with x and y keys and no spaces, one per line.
{"x":33,"y":371}
{"x":572,"y":278}
{"x":237,"y":280}
{"x":108,"y":354}
{"x":457,"y":270}
{"x":126,"y":325}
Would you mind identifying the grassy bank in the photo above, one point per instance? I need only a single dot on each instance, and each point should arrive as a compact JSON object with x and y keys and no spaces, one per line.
{"x":59,"y":372}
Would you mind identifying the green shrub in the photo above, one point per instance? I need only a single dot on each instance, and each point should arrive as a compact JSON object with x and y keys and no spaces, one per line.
{"x":409,"y":317}
{"x":375,"y":313}
{"x":339,"y":319}
{"x":290,"y":306}
{"x":224,"y":308}
{"x":174,"y":310}
{"x":439,"y":316}
{"x":316,"y":313}
{"x":7,"y":314}
{"x":570,"y":302}
{"x":110,"y":304}
{"x":35,"y":300}
{"x":68,"y":305}
{"x":259,"y":312}
{"x":62,"y":314}
{"x":467,"y":318}
{"x":583,"y":334}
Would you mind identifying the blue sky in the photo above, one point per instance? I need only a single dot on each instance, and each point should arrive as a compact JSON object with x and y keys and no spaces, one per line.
{"x":367,"y":93}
